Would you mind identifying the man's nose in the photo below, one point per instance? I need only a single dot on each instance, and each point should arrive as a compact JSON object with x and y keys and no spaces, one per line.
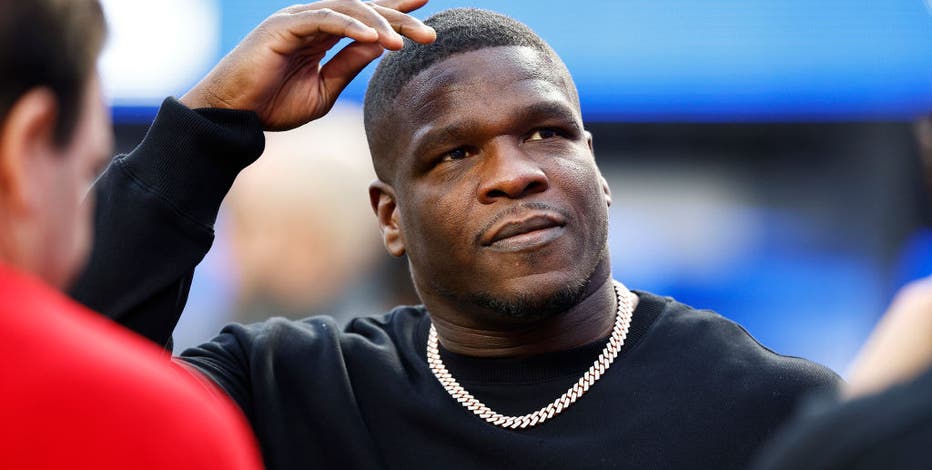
{"x":509,"y":173}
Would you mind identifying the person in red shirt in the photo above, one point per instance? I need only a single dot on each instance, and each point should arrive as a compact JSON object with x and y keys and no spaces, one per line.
{"x":76,"y":390}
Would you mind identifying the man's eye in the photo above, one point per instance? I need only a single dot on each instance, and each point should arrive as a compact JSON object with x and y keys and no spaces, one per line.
{"x":541,"y":134}
{"x":455,"y":154}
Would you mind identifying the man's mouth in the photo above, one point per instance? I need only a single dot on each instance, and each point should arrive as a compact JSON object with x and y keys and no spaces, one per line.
{"x":524,"y":232}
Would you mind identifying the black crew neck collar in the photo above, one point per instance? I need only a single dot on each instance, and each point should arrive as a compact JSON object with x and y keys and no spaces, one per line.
{"x":549,"y":366}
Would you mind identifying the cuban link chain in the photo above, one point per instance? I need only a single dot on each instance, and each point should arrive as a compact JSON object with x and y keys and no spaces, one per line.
{"x":625,"y":300}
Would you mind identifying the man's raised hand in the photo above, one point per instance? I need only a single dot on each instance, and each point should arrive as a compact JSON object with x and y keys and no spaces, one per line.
{"x":276,"y":70}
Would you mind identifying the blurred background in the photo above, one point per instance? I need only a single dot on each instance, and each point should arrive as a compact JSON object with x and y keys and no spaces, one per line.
{"x":763,"y":158}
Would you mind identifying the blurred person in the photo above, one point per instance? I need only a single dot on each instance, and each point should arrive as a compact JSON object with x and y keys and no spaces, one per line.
{"x":287,"y":262}
{"x":77,"y":390}
{"x":882,"y":418}
{"x":525,"y":352}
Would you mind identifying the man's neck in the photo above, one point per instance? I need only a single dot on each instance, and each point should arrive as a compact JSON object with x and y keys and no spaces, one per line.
{"x":589,"y":320}
{"x":13,"y":252}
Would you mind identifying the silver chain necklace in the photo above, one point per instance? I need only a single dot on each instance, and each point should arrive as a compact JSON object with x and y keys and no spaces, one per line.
{"x":625,"y":300}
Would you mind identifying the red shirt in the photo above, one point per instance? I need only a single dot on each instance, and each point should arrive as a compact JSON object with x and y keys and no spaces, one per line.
{"x":79,"y":391}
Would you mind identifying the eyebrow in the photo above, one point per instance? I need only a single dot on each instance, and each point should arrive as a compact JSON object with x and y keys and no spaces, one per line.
{"x":552,"y":110}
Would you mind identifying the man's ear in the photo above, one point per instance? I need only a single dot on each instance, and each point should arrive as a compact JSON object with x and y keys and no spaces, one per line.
{"x":606,"y":191}
{"x":27,"y":136}
{"x":382,"y":199}
{"x":589,"y":142}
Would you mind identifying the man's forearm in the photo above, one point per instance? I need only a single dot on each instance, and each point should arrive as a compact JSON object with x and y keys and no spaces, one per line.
{"x":154,"y":216}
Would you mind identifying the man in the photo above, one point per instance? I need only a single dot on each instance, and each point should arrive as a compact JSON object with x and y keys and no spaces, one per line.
{"x":525,"y":354}
{"x":308,"y":266}
{"x":883,"y":417}
{"x":78,"y":391}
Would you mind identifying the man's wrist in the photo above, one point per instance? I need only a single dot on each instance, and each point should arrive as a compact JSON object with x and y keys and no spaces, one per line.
{"x":195,"y":99}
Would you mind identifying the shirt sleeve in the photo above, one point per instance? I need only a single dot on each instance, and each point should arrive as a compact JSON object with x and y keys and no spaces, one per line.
{"x":225,"y":360}
{"x":155,"y":211}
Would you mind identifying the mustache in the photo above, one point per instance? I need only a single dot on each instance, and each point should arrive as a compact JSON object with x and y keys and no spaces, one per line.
{"x":516,"y":210}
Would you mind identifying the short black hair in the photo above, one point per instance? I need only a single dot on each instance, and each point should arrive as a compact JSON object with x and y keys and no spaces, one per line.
{"x":52,"y":44}
{"x":459,"y":30}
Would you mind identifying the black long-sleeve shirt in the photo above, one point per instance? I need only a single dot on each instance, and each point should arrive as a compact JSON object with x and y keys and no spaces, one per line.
{"x":690,"y":389}
{"x":889,"y":430}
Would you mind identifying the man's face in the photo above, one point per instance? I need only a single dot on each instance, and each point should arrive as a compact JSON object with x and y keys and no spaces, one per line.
{"x":499,"y":200}
{"x":65,"y":224}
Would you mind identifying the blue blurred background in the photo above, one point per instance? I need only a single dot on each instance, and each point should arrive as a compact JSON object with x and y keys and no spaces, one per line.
{"x":761,"y":153}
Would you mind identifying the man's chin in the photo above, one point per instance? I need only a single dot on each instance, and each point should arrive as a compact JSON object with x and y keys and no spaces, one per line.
{"x":532,"y":304}
{"x":532,"y":297}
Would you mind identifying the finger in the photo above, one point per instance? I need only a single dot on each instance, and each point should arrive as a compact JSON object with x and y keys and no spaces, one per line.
{"x":403,"y":6}
{"x":311,"y":22}
{"x":407,"y":25}
{"x":343,"y":68}
{"x":365,"y":13}
{"x":361,"y":12}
